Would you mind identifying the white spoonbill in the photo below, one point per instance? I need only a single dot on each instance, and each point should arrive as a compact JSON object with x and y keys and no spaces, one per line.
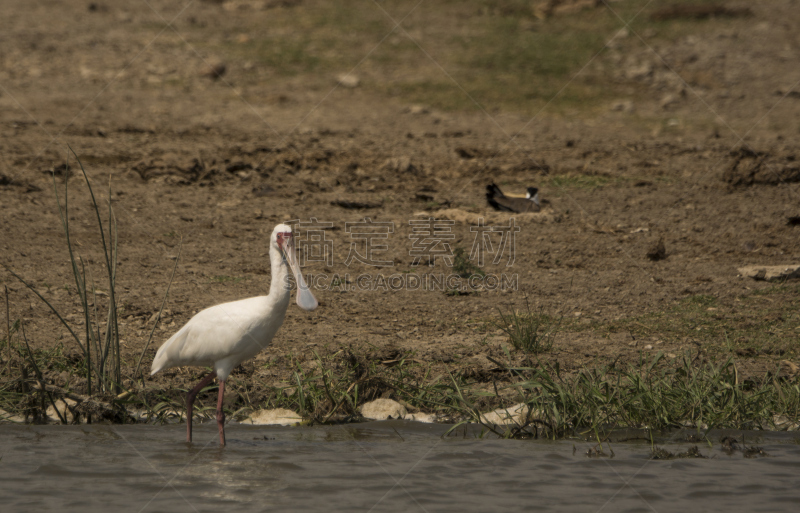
{"x":225,"y":335}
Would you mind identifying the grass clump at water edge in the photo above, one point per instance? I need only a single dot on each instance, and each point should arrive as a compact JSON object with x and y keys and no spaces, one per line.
{"x":544,"y":401}
{"x":659,"y":394}
{"x":100,"y":368}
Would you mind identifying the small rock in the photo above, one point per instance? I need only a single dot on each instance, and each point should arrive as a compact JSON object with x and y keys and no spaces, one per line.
{"x":788,"y":368}
{"x":348,"y":80}
{"x":513,"y":415}
{"x":425,"y":418}
{"x":417,"y":109}
{"x":276,"y":417}
{"x":783,"y":423}
{"x":771,"y":272}
{"x":63,"y":406}
{"x":693,"y":425}
{"x":165,"y":314}
{"x":10,"y":418}
{"x":383,"y":409}
{"x":657,"y":251}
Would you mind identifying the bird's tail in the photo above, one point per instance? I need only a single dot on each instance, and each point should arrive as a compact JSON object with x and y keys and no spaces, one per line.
{"x":162,"y":359}
{"x":493,"y":191}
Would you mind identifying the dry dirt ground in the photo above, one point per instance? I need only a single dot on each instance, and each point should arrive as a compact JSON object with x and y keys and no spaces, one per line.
{"x":690,"y":136}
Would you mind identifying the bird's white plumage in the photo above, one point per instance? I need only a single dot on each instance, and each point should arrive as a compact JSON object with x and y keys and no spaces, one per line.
{"x":225,"y":335}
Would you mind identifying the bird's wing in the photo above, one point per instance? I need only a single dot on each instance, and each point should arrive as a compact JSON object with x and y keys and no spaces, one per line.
{"x":497,"y":205}
{"x":222,"y":331}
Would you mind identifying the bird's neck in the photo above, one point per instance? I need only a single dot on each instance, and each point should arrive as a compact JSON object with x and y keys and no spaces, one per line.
{"x":279,"y":287}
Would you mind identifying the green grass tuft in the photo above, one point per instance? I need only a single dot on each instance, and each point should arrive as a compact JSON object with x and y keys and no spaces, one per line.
{"x":463,"y":267}
{"x":527,"y":331}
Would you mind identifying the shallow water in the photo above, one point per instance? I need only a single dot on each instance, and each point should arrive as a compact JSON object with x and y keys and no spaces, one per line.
{"x":379,"y":467}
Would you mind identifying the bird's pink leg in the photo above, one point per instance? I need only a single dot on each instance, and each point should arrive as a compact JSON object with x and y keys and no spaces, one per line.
{"x":220,"y":413}
{"x":190,"y":402}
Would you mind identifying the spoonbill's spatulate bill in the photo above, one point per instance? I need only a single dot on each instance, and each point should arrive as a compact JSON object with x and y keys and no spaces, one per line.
{"x":225,"y":335}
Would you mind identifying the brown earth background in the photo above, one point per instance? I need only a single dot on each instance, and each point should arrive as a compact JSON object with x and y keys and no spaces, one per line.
{"x":210,"y":122}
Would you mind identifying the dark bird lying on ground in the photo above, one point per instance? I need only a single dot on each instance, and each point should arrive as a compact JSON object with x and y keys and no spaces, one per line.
{"x":509,"y":203}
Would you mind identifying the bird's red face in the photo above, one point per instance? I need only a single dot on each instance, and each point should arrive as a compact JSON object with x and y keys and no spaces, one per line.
{"x":284,"y":241}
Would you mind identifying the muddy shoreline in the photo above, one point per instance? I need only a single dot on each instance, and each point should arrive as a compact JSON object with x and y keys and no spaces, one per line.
{"x":211,"y":163}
